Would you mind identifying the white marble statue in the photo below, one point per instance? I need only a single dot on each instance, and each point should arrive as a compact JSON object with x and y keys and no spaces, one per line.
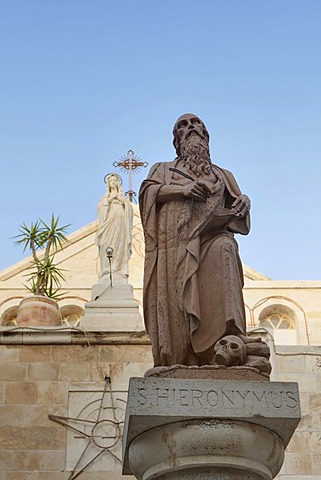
{"x":115,"y":216}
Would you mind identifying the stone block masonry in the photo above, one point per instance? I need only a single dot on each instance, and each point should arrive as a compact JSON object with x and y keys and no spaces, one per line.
{"x":29,"y":392}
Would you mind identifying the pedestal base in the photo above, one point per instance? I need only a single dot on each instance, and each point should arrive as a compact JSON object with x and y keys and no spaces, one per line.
{"x":207,"y":449}
{"x":112,"y":308}
{"x":179,"y":429}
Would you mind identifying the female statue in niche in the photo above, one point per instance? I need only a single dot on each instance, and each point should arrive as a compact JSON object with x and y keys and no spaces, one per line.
{"x":115,"y":217}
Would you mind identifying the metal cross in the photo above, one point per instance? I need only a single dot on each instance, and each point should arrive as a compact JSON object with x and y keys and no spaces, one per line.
{"x":130,"y":164}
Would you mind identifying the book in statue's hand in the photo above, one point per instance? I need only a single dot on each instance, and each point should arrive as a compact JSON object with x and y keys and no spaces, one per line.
{"x":215,"y":222}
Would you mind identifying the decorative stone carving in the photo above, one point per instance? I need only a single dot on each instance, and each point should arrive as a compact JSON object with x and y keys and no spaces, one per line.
{"x":230,"y":351}
{"x":94,"y":428}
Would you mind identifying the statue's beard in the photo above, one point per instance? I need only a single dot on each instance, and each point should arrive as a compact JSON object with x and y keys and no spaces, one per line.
{"x":196,"y":155}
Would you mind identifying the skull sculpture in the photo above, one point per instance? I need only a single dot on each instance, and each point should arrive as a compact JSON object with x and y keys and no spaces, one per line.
{"x":230,"y":351}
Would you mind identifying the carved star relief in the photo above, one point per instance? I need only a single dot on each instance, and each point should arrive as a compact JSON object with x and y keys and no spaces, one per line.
{"x":100,"y":423}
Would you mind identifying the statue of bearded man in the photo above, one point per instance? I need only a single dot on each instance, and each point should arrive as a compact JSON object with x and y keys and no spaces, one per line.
{"x":193,"y":278}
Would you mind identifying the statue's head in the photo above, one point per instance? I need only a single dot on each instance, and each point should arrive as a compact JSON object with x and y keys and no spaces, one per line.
{"x":191,"y":141}
{"x":113,"y":181}
{"x":187,"y":126}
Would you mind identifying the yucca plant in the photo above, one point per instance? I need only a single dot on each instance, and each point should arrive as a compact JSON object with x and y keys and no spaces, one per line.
{"x":45,"y":277}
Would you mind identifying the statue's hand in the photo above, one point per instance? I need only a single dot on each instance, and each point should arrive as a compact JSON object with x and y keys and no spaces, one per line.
{"x":197,"y":190}
{"x":242,"y":205}
{"x":112,"y":196}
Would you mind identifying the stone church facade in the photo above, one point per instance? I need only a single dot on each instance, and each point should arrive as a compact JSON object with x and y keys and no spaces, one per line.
{"x":63,"y":389}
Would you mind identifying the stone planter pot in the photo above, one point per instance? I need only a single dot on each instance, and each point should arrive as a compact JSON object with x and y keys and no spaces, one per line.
{"x":38,"y":311}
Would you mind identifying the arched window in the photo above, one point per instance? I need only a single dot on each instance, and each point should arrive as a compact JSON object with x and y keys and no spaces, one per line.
{"x":277,"y":321}
{"x":281,"y":320}
{"x":70,"y":315}
{"x":9,"y":317}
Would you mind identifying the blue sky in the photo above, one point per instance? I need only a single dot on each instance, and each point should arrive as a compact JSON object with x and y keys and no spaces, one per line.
{"x":82,"y":82}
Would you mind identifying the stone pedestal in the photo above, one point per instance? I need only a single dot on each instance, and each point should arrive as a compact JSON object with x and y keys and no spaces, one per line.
{"x":112,"y":308}
{"x":206,"y":429}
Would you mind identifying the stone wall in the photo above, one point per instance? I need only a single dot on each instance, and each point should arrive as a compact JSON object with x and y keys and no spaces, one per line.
{"x":303,"y":455}
{"x":38,"y":380}
{"x":64,"y":375}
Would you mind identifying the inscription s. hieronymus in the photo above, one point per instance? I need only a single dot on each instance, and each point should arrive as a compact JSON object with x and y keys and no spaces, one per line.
{"x":184,"y":397}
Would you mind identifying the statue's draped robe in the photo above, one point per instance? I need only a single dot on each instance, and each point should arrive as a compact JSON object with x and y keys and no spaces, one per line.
{"x":192,"y":283}
{"x":114,"y":230}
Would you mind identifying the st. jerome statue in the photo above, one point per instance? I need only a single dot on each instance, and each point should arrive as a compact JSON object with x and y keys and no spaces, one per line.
{"x":193,"y":279}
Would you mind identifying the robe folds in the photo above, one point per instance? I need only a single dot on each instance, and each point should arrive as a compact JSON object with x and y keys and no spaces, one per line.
{"x":192,"y":281}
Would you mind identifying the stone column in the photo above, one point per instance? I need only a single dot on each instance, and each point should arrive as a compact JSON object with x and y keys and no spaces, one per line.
{"x":179,"y":429}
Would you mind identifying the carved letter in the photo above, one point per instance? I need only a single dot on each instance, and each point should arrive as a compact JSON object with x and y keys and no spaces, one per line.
{"x":277,"y":399}
{"x":243,"y":395}
{"x":196,"y":395}
{"x":142,"y":394}
{"x":228,"y":398}
{"x":182,"y":397}
{"x":163,"y":396}
{"x":292,"y":400}
{"x":212,"y":394}
{"x":262,"y":398}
